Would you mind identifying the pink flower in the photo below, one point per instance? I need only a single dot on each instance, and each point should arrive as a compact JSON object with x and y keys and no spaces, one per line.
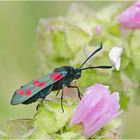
{"x":130,"y":18}
{"x":96,"y":109}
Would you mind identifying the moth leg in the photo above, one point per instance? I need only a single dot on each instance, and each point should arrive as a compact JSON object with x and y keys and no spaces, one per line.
{"x":62,"y":97}
{"x":57,"y":92}
{"x":43,"y":96}
{"x":37,"y":107}
{"x":78,"y":90}
{"x":41,"y":101}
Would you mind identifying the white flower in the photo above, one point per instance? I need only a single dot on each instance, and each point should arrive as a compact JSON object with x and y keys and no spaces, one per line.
{"x":115,"y":56}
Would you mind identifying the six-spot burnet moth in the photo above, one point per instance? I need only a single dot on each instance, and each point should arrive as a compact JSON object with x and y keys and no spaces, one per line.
{"x":56,"y":80}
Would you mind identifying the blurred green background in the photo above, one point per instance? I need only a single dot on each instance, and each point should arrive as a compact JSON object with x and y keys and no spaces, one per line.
{"x":18,"y":22}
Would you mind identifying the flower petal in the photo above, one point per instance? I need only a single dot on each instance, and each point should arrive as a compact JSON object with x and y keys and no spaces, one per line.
{"x":130,"y":18}
{"x":88,"y":102}
{"x":96,"y":109}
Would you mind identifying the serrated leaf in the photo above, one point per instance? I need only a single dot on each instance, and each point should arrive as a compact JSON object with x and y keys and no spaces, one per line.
{"x":61,"y":117}
{"x":52,"y":115}
{"x":45,"y":120}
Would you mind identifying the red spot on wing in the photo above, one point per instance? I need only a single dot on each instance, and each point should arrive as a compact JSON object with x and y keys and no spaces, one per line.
{"x":42,"y":84}
{"x":56,"y":76}
{"x":28,"y":92}
{"x":20,"y":92}
{"x":39,"y":84}
{"x":36,"y":83}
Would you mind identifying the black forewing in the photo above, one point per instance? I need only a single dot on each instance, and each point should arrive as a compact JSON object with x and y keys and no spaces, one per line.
{"x":29,"y":90}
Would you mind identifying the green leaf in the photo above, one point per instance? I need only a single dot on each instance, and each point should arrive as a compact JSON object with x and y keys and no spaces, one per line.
{"x":45,"y":120}
{"x":61,"y":117}
{"x":76,"y":37}
{"x":60,"y":45}
{"x":128,"y":67}
{"x":72,"y":135}
{"x":114,"y":30}
{"x":124,"y":100}
{"x":39,"y":133}
{"x":18,"y":128}
{"x":78,"y":128}
{"x":72,"y":132}
{"x":51,"y":118}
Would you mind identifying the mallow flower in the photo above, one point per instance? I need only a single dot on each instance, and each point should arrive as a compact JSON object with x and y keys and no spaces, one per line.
{"x":130,"y":18}
{"x":97,"y":107}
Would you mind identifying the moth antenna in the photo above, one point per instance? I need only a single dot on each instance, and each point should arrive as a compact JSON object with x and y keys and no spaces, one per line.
{"x":97,"y":50}
{"x":100,"y":67}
